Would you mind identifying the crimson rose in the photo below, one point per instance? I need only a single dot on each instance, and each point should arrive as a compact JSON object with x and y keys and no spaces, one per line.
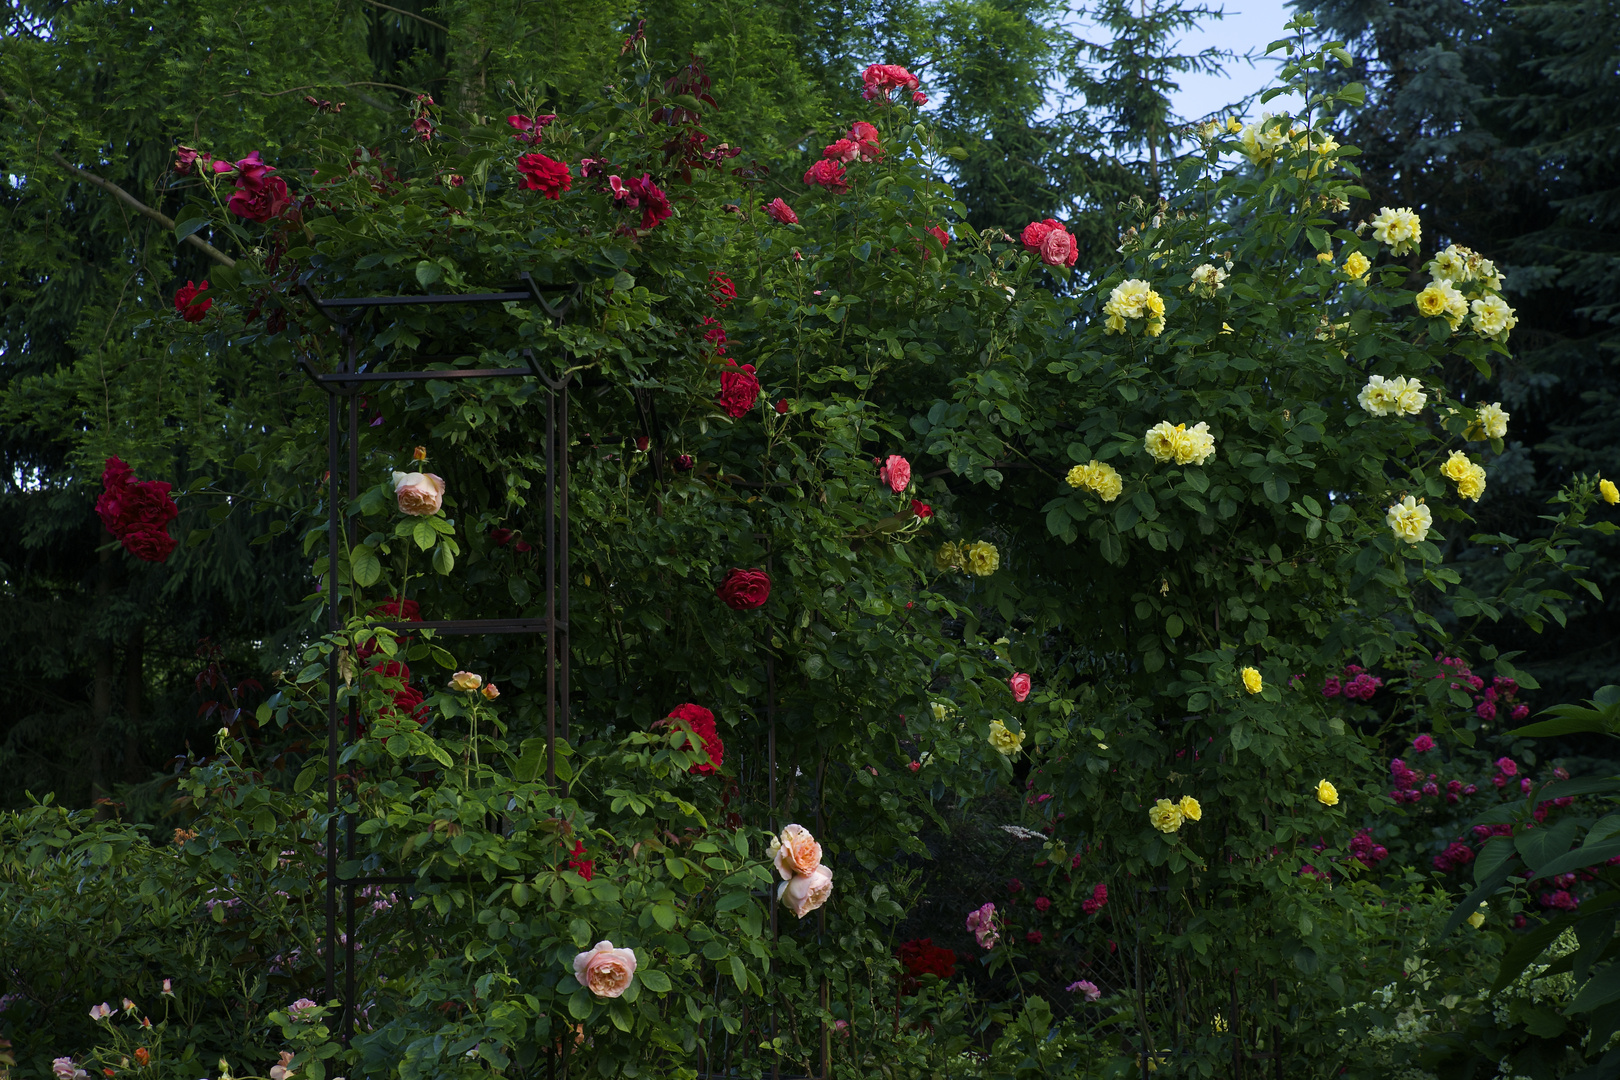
{"x":545,"y":175}
{"x":701,"y":721}
{"x":738,"y":390}
{"x":743,"y":590}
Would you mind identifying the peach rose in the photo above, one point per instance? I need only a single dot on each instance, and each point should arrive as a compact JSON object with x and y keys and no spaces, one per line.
{"x":419,"y":494}
{"x":466,"y":680}
{"x":806,"y":892}
{"x":795,"y":852}
{"x":605,"y":971}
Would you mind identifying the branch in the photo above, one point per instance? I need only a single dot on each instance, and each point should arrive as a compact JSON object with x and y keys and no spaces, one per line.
{"x":141,"y":208}
{"x":408,"y":14}
{"x":341,"y":86}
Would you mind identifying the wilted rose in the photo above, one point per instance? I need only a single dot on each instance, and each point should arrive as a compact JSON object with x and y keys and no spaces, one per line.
{"x":418,"y":494}
{"x":806,"y":892}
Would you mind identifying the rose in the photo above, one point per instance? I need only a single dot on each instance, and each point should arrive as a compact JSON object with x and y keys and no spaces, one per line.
{"x":604,"y":970}
{"x":466,"y":680}
{"x":701,"y":721}
{"x":502,"y":537}
{"x":260,"y":202}
{"x":744,"y":590}
{"x":841,"y":150}
{"x":1020,"y":686}
{"x":545,"y":175}
{"x":490,"y":691}
{"x":865,"y":137}
{"x":795,"y":852}
{"x":828,"y":174}
{"x":149,"y":545}
{"x":1057,"y":248}
{"x":189,"y":304}
{"x":739,"y":389}
{"x":654,"y":203}
{"x":806,"y":892}
{"x":1035,"y":231}
{"x":528,"y":128}
{"x":921,"y":509}
{"x":418,"y":494}
{"x":1327,"y":794}
{"x":782,"y":212}
{"x":284,"y":1070}
{"x":252,"y":170}
{"x":896,"y":472}
{"x":1086,"y":987}
{"x":724,"y":290}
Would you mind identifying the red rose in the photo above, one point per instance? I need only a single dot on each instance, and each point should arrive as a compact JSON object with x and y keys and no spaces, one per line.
{"x":502,"y":537}
{"x":923,"y":957}
{"x":842,"y":150}
{"x":724,"y":289}
{"x":393,"y":669}
{"x":190,"y":306}
{"x":408,"y":702}
{"x":782,"y":212}
{"x":1035,"y":231}
{"x":922,"y":509}
{"x":521,"y":546}
{"x":701,"y":721}
{"x":260,"y":202}
{"x":185,"y":159}
{"x":879,"y":79}
{"x":585,"y":868}
{"x":782,"y":407}
{"x":154,"y":545}
{"x":743,"y":590}
{"x":399,"y":610}
{"x":941,"y":235}
{"x":683,"y":462}
{"x":828,"y":174}
{"x":715,"y":335}
{"x":919,"y":98}
{"x":654,"y":203}
{"x":738,"y":390}
{"x":545,"y":175}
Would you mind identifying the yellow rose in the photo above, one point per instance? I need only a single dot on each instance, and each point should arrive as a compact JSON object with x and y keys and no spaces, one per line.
{"x":1007,"y":742}
{"x":948,"y":557}
{"x":1610,"y":494}
{"x":1493,"y":318}
{"x":1356,"y":265}
{"x":1399,"y":228}
{"x":466,"y":680}
{"x":1456,"y":466}
{"x":1325,"y":257}
{"x":940,"y":711}
{"x":1472,"y":485}
{"x":1190,"y":809}
{"x":1327,"y":794}
{"x":1165,"y":816}
{"x":1251,"y":680}
{"x":981,"y":558}
{"x":1078,"y":476}
{"x":1477,"y":919}
{"x":1410,"y":520}
{"x":1491,"y":421}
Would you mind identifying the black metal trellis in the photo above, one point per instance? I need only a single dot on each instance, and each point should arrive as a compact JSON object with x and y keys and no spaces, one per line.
{"x":354,"y":372}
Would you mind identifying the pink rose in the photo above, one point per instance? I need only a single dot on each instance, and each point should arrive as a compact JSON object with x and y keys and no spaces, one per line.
{"x":782,"y":212}
{"x":1423,"y":744}
{"x":1020,"y":686}
{"x":865,"y":137}
{"x":1036,"y":231}
{"x":795,"y":852}
{"x":260,"y":202}
{"x":842,"y":150}
{"x":418,"y":494}
{"x":828,"y":174}
{"x":896,"y":472}
{"x":1057,"y":247}
{"x":806,"y":892}
{"x":605,"y":971}
{"x":919,"y":98}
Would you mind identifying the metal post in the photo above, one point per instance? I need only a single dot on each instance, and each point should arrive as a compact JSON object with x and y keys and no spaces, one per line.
{"x":551,"y":589}
{"x":332,"y":678}
{"x":563,"y":630}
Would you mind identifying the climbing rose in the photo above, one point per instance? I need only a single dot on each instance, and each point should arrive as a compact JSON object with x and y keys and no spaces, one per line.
{"x":1020,"y":686}
{"x":1086,"y":987}
{"x":795,"y":852}
{"x":1423,"y":743}
{"x":722,"y":289}
{"x":896,"y":472}
{"x":418,"y":494}
{"x":604,"y":970}
{"x":922,"y":957}
{"x":782,"y":212}
{"x":739,"y":389}
{"x":880,"y":79}
{"x":545,"y":175}
{"x":982,"y":923}
{"x":136,"y":512}
{"x":828,"y":174}
{"x":701,"y":721}
{"x":1099,"y":899}
{"x":743,"y":590}
{"x":190,"y":303}
{"x":921,"y":509}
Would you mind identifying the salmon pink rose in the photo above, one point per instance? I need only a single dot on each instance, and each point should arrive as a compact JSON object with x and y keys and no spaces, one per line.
{"x":896,"y":472}
{"x":1057,"y":248}
{"x":418,"y":494}
{"x":605,"y":971}
{"x":806,"y":892}
{"x":1020,"y":686}
{"x":795,"y":852}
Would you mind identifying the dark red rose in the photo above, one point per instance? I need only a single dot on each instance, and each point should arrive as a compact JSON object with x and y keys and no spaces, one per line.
{"x":923,"y":957}
{"x":654,"y":203}
{"x":782,"y":407}
{"x":129,"y":506}
{"x":252,"y":170}
{"x":502,"y":537}
{"x":642,"y":442}
{"x":189,"y":304}
{"x":545,"y":175}
{"x":522,"y":546}
{"x":260,"y":202}
{"x":738,"y":390}
{"x":715,"y":334}
{"x":701,"y":721}
{"x":921,"y":509}
{"x":408,"y":702}
{"x":185,"y":160}
{"x":393,"y":669}
{"x":743,"y":590}
{"x":683,"y":462}
{"x":398,"y":610}
{"x":151,"y":545}
{"x":528,"y":128}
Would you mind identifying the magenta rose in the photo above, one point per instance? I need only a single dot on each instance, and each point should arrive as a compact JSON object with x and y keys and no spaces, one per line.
{"x":744,"y":590}
{"x":738,"y":390}
{"x":545,"y":175}
{"x":782,"y":212}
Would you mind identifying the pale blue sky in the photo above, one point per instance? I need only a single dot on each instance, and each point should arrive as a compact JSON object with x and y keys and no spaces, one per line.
{"x":1249,"y":26}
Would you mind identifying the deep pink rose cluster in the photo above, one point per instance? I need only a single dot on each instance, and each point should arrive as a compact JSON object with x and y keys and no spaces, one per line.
{"x":1051,"y":241}
{"x":641,"y":193}
{"x":137,"y":512}
{"x":259,"y":196}
{"x":881,"y":80}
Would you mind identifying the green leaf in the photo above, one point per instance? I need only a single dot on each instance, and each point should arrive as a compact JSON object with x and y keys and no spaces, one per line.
{"x":424,"y":534}
{"x":1276,"y":489}
{"x":427,"y":272}
{"x":656,"y":981}
{"x":365,"y":565}
{"x":443,"y":559}
{"x":739,"y":972}
{"x":189,"y":226}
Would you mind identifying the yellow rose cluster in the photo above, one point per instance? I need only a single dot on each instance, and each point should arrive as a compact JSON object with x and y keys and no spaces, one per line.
{"x":979,"y":558}
{"x":1392,"y":397}
{"x":1167,"y":816}
{"x":1098,"y":478}
{"x":1467,"y":475}
{"x":1463,"y":280}
{"x":1005,"y":740}
{"x":1399,"y":228}
{"x":1263,"y":141}
{"x":1490,"y":422}
{"x":1410,"y":520}
{"x":1180,"y":444}
{"x":1207,"y":279}
{"x":1134,"y":298}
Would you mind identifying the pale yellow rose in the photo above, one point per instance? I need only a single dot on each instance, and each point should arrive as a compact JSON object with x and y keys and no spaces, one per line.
{"x":1410,"y":520}
{"x":1456,"y":466}
{"x":795,"y":851}
{"x":1165,"y":816}
{"x":1005,"y":740}
{"x":466,"y":680}
{"x":1399,"y":228}
{"x":806,"y":892}
{"x":1190,"y":809}
{"x":604,"y":970}
{"x":948,"y":557}
{"x":418,"y":494}
{"x":981,"y":558}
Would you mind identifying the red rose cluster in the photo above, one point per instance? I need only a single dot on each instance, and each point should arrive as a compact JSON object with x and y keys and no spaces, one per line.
{"x":744,"y":590}
{"x":545,"y":175}
{"x":881,"y":80}
{"x":259,"y":196}
{"x":739,"y":389}
{"x":408,"y":700}
{"x":392,"y":610}
{"x":922,"y":957}
{"x":137,"y":512}
{"x":1054,"y":244}
{"x":701,"y":721}
{"x":861,"y":144}
{"x":190,"y":304}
